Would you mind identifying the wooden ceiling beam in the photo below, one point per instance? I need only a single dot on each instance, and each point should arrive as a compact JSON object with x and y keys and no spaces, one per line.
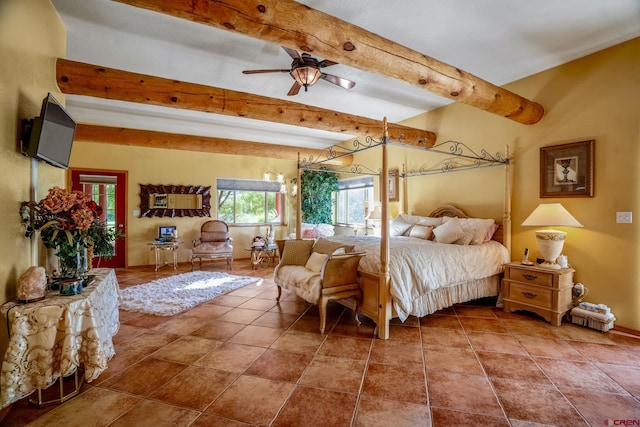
{"x":79,"y":78}
{"x":297,"y":26}
{"x":172,"y":141}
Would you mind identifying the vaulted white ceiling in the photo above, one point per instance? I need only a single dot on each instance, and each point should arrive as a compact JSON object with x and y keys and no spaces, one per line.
{"x":497,"y":40}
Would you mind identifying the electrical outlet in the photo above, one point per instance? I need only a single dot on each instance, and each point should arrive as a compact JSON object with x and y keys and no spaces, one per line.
{"x":623,"y":217}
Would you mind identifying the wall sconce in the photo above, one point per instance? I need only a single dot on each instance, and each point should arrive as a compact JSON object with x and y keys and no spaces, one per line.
{"x":279,"y":176}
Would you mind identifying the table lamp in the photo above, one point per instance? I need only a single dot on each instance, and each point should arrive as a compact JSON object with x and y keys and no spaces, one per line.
{"x":550,"y":242}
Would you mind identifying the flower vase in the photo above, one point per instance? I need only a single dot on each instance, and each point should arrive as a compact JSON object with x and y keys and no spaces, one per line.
{"x":74,"y":265}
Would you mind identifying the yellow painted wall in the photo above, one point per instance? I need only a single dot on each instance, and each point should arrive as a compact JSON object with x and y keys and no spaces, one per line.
{"x":596,"y":97}
{"x":31,"y":37}
{"x":176,"y":167}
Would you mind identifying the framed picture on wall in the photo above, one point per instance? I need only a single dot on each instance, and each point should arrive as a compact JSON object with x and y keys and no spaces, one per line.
{"x":394,"y":191}
{"x":566,"y":170}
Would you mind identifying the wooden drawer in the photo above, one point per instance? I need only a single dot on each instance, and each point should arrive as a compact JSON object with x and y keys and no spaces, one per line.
{"x":532,"y":295}
{"x":531,"y":276}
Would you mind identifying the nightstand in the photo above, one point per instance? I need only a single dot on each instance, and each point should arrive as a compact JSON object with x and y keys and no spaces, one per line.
{"x":539,"y":290}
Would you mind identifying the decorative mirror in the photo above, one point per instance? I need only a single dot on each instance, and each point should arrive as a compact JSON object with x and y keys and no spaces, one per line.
{"x":175,"y":200}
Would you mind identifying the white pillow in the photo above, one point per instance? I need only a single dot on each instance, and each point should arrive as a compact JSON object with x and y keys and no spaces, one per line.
{"x":422,"y":220}
{"x":466,"y":238}
{"x":398,"y":226}
{"x":448,"y":232}
{"x":479,"y":226}
{"x":420,"y":231}
{"x":316,"y":261}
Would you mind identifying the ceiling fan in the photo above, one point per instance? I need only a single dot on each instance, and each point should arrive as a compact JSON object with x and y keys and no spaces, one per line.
{"x":305,"y":70}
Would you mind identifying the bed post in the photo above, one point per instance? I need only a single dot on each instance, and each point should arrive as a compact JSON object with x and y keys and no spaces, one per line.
{"x":506,"y":216}
{"x":298,"y":202}
{"x":384,"y":307}
{"x":405,"y":191}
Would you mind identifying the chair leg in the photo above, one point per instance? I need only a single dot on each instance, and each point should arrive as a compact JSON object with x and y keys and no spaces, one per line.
{"x":279,"y":293}
{"x":323,"y":313}
{"x":192,"y":259}
{"x":355,"y":310}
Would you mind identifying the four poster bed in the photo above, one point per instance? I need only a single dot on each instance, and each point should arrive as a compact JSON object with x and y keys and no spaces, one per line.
{"x":406,"y":272}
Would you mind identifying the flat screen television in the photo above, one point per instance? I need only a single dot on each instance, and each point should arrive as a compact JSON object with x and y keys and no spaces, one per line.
{"x":52,"y":133}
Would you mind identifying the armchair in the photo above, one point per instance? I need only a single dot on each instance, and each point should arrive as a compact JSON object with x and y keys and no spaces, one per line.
{"x":319,"y":272}
{"x":214,"y":243}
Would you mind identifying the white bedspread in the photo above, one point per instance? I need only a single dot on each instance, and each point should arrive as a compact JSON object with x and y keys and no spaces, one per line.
{"x":418,"y":267}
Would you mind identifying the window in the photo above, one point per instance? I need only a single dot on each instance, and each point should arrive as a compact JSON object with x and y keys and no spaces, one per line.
{"x":247,"y":201}
{"x":352,"y":198}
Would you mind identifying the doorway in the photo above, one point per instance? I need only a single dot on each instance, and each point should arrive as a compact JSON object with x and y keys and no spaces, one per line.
{"x":108,"y":189}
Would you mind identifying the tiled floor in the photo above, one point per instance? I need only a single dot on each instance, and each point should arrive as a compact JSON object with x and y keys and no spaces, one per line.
{"x":241,"y":359}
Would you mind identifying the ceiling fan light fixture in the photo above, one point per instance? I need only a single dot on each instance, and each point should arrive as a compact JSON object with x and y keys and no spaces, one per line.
{"x":306,"y":76}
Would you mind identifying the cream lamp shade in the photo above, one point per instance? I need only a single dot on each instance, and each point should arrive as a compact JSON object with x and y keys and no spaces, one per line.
{"x":550,"y":242}
{"x":376,"y":213}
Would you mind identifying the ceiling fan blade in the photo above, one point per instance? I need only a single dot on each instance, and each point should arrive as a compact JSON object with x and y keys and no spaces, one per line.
{"x":294,"y":89}
{"x":326,"y":63}
{"x":347,"y":84}
{"x":264,"y":71}
{"x":292,"y":53}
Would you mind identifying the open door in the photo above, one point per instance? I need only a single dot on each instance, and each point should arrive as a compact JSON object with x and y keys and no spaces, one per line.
{"x":109,"y":190}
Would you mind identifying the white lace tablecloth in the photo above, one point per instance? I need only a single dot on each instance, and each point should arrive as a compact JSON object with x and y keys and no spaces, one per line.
{"x":53,"y":337}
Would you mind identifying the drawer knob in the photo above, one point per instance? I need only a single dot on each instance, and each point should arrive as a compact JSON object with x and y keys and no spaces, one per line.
{"x":529,"y":294}
{"x":530,"y":276}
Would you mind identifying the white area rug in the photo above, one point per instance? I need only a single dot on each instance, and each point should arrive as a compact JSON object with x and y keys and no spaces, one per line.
{"x":171,"y":295}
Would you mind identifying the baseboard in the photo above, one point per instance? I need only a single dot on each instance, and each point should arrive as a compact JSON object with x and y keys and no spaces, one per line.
{"x":626,"y":330}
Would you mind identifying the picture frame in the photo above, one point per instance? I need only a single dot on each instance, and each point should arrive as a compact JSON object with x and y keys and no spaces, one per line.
{"x":567,"y":170}
{"x":393,"y":185}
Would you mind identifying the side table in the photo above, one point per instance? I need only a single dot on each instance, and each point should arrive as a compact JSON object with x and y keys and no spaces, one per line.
{"x":263,"y":255}
{"x":50,"y":339}
{"x":160,"y":247}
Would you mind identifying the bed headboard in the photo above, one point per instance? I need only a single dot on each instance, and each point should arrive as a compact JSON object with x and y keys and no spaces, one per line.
{"x":454,"y":211}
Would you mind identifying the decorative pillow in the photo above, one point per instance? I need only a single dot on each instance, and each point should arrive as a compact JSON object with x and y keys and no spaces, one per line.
{"x":491,"y":232}
{"x":309,"y":233}
{"x":315,"y":262}
{"x":422,"y":220}
{"x":339,"y":251}
{"x":421,"y":231}
{"x":466,"y":238}
{"x":398,"y":226}
{"x":325,"y":230}
{"x":325,"y":246}
{"x":296,"y":252}
{"x":448,"y":232}
{"x":479,"y":226}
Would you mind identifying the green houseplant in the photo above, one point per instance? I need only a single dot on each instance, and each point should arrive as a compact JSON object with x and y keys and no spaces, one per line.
{"x":317,"y":196}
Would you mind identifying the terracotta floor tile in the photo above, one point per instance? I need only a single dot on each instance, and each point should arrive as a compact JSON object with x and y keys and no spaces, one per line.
{"x":334,"y":373}
{"x":529,"y":327}
{"x":553,"y":348}
{"x":208,"y":310}
{"x":297,"y":306}
{"x":195,"y":387}
{"x":462,"y":392}
{"x":598,"y":407}
{"x":99,"y":405}
{"x":147,"y":342}
{"x":312,"y":324}
{"x":477,"y":324}
{"x":229,"y":300}
{"x":252,"y":400}
{"x":247,"y":291}
{"x":149,"y":413}
{"x":121,"y":361}
{"x":347,"y":326}
{"x":210,"y":420}
{"x":299,"y":342}
{"x":445,"y":337}
{"x":144,"y":377}
{"x":346,"y":347}
{"x":258,"y":304}
{"x":499,"y":343}
{"x":404,"y":333}
{"x":475,"y":311}
{"x":376,"y":411}
{"x":584,"y":375}
{"x":279,"y":365}
{"x":315,"y":407}
{"x":628,"y":377}
{"x":394,"y":382}
{"x":218,"y":330}
{"x":446,"y":417}
{"x":276,"y":320}
{"x":186,"y":349}
{"x":580,"y":333}
{"x":439,"y":321}
{"x":452,"y":359}
{"x":511,"y":366}
{"x":126,"y":333}
{"x":259,"y":336}
{"x":142,"y":320}
{"x":409,"y":321}
{"x":240,"y":315}
{"x":392,"y":352}
{"x":606,"y":353}
{"x":536,"y":402}
{"x":230,"y":357}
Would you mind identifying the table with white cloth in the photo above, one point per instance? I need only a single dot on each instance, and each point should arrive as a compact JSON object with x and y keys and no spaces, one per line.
{"x":52,"y":338}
